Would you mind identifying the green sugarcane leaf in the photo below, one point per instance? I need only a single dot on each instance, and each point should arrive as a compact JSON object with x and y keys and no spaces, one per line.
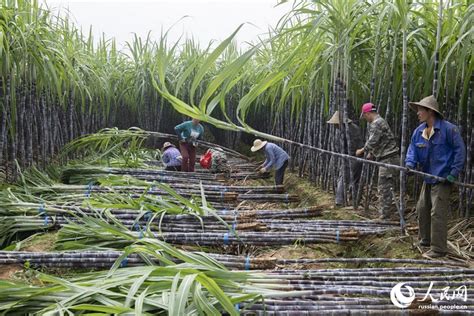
{"x":99,"y":308}
{"x":215,"y":290}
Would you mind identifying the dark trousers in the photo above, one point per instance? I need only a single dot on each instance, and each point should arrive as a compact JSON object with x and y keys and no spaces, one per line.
{"x":173,"y":168}
{"x":188,"y":152}
{"x":280,"y":173}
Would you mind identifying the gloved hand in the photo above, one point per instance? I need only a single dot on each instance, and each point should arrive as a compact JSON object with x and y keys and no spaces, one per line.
{"x":410,"y":171}
{"x":451,"y":178}
{"x":262,"y":170}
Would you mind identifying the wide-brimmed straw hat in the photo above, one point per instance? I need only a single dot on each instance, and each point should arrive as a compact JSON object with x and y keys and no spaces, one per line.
{"x":258,"y":144}
{"x":428,"y":102}
{"x":166,"y":145}
{"x":335,"y":119}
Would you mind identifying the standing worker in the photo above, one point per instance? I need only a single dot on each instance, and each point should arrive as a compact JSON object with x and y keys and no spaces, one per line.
{"x":276,"y":158}
{"x":188,"y":133}
{"x":355,"y":142}
{"x":437,"y":148}
{"x":382,"y":146}
{"x":171,"y":157}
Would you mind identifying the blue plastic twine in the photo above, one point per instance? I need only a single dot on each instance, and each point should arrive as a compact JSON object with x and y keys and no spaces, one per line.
{"x":226,"y":238}
{"x":41,"y":209}
{"x":147,"y":215}
{"x":124,"y":262}
{"x":247,"y":263}
{"x":89,"y":190}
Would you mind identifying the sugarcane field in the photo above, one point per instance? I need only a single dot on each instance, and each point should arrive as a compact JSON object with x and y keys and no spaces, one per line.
{"x":236,"y":157}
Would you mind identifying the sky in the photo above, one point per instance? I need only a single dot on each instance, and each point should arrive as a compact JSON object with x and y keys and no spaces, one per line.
{"x":206,"y":19}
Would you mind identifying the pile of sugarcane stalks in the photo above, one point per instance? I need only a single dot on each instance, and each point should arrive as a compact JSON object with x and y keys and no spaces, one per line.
{"x":189,"y":232}
{"x":23,"y":208}
{"x":79,"y":174}
{"x":304,"y":212}
{"x":178,"y":187}
{"x":253,"y":263}
{"x":254,"y":238}
{"x":74,"y":175}
{"x":105,"y":259}
{"x":365,"y":291}
{"x":224,"y":195}
{"x":363,"y":227}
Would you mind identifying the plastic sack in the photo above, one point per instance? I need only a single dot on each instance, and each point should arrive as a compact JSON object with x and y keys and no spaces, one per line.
{"x":206,"y":160}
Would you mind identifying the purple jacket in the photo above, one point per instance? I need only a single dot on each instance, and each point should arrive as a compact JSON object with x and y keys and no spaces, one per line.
{"x":171,"y":157}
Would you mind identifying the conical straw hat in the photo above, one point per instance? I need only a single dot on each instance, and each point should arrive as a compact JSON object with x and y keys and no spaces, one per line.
{"x":335,"y":119}
{"x":428,"y":102}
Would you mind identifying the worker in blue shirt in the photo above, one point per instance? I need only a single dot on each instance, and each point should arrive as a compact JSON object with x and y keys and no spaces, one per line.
{"x":188,"y":133}
{"x":276,"y":158}
{"x":436,"y":148}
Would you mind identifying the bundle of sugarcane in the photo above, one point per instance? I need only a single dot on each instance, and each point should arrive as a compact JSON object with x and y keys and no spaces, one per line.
{"x":70,"y":259}
{"x":85,"y":175}
{"x":94,"y":170}
{"x":186,"y":226}
{"x":256,"y":263}
{"x":12,"y":226}
{"x":229,"y":212}
{"x":284,"y":198}
{"x":178,"y":187}
{"x":84,"y":194}
{"x":254,"y":238}
{"x":72,"y":234}
{"x":310,"y":211}
{"x":369,"y":281}
{"x":363,"y":227}
{"x":105,"y":259}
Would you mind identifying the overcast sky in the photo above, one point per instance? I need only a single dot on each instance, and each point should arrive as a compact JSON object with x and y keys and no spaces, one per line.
{"x":208,"y":19}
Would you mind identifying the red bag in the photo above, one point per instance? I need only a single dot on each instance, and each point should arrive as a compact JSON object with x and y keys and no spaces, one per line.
{"x":206,"y":160}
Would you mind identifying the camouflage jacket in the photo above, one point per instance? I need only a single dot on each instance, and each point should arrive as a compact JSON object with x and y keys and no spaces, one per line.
{"x":381,"y":142}
{"x":219,"y":161}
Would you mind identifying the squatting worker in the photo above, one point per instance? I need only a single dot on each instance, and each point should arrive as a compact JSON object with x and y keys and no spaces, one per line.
{"x":275,"y":158}
{"x":171,"y":157}
{"x":436,"y":148}
{"x":382,"y":146}
{"x":356,"y":141}
{"x":188,"y":133}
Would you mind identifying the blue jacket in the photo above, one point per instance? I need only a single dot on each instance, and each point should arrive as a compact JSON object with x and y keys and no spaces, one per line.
{"x":171,"y":156}
{"x":275,"y":156}
{"x":442,"y":155}
{"x":184,"y":130}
